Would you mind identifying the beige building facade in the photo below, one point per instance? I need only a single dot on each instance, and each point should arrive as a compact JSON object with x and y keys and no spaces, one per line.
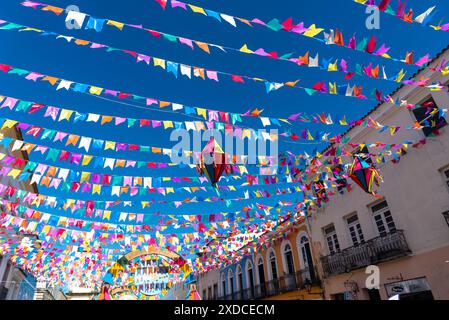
{"x":405,"y":234}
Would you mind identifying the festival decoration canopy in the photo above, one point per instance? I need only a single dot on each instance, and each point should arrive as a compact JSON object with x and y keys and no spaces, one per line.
{"x":111,"y":210}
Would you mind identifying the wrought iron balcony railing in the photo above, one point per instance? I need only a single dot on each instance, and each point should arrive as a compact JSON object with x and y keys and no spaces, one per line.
{"x":383,"y":248}
{"x":287,"y":283}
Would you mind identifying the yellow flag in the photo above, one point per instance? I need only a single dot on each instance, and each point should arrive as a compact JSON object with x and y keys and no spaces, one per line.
{"x":332,"y":88}
{"x":116,"y":24}
{"x":86,"y":160}
{"x":109,"y":145}
{"x":246,"y":133}
{"x":332,"y":67}
{"x":197,"y":9}
{"x":201,"y":112}
{"x":9,"y":124}
{"x":14,"y":173}
{"x":170,"y":190}
{"x":159,"y":62}
{"x":95,"y":90}
{"x":107,"y":215}
{"x":313,"y":31}
{"x":85,"y":176}
{"x":168,"y":124}
{"x":445,"y":71}
{"x":65,"y":114}
{"x":245,"y":49}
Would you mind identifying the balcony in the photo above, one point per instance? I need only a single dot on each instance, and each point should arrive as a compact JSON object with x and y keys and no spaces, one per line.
{"x":287,"y":283}
{"x":383,"y":248}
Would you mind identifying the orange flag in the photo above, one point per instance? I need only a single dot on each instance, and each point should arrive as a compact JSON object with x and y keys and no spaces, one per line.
{"x":203,"y":46}
{"x":291,"y":83}
{"x":339,"y":38}
{"x":72,"y":139}
{"x":52,"y":80}
{"x":81,"y":42}
{"x":375,"y":72}
{"x":304,"y":60}
{"x":163,"y":104}
{"x":105,"y":119}
{"x":57,"y":11}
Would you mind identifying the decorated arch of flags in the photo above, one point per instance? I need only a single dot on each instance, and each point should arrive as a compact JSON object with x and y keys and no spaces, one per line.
{"x":87,"y":164}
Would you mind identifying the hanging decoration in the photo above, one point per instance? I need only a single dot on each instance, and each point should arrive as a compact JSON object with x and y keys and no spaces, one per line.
{"x":303,"y":60}
{"x":424,"y":19}
{"x":213,"y":162}
{"x":312,"y":32}
{"x":365,"y":174}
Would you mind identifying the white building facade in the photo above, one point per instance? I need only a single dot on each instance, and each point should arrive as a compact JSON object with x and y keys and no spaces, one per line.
{"x":405,"y":234}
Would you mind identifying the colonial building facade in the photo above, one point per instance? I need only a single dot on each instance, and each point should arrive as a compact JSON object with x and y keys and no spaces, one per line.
{"x":371,"y":248}
{"x":285,"y":270}
{"x":360,"y":247}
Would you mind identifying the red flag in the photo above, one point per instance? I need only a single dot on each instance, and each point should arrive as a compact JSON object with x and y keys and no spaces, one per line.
{"x":383,"y":5}
{"x":349,"y":75}
{"x":288,"y":24}
{"x":371,"y":46}
{"x":5,"y":67}
{"x":236,"y":78}
{"x":162,"y":3}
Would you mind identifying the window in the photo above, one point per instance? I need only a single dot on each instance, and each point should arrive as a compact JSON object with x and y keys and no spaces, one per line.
{"x":331,"y":239}
{"x":430,"y":116}
{"x":250,"y":277}
{"x":231,"y":282}
{"x":239,"y":278}
{"x":383,"y":218}
{"x":446,"y":217}
{"x":373,"y":294}
{"x":338,"y":296}
{"x":355,"y":230}
{"x":260,"y":271}
{"x":215,"y":291}
{"x":446,"y":176}
{"x":272,"y":259}
{"x":289,"y":259}
{"x":304,"y":245}
{"x":223,"y":285}
{"x":209,"y":293}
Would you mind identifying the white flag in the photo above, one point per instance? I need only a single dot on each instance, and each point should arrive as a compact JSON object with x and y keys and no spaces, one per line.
{"x":424,"y":15}
{"x":75,"y":17}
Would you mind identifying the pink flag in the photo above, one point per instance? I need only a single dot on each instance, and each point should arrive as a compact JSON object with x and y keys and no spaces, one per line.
{"x":185,"y":41}
{"x":212,"y":75}
{"x":175,"y":3}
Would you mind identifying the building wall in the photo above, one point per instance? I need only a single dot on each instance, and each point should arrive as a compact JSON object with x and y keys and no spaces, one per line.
{"x":12,"y":278}
{"x":278,"y":247}
{"x":416,"y":193}
{"x":208,"y":280}
{"x":225,"y":272}
{"x":431,"y":265}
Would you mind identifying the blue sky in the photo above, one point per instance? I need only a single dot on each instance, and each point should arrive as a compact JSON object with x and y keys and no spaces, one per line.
{"x":116,"y":71}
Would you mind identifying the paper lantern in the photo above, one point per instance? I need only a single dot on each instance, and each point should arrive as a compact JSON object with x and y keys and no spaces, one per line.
{"x":213,"y":162}
{"x":364,"y":174}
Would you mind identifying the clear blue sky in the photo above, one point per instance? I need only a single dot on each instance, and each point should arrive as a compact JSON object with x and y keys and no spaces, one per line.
{"x":116,"y":71}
